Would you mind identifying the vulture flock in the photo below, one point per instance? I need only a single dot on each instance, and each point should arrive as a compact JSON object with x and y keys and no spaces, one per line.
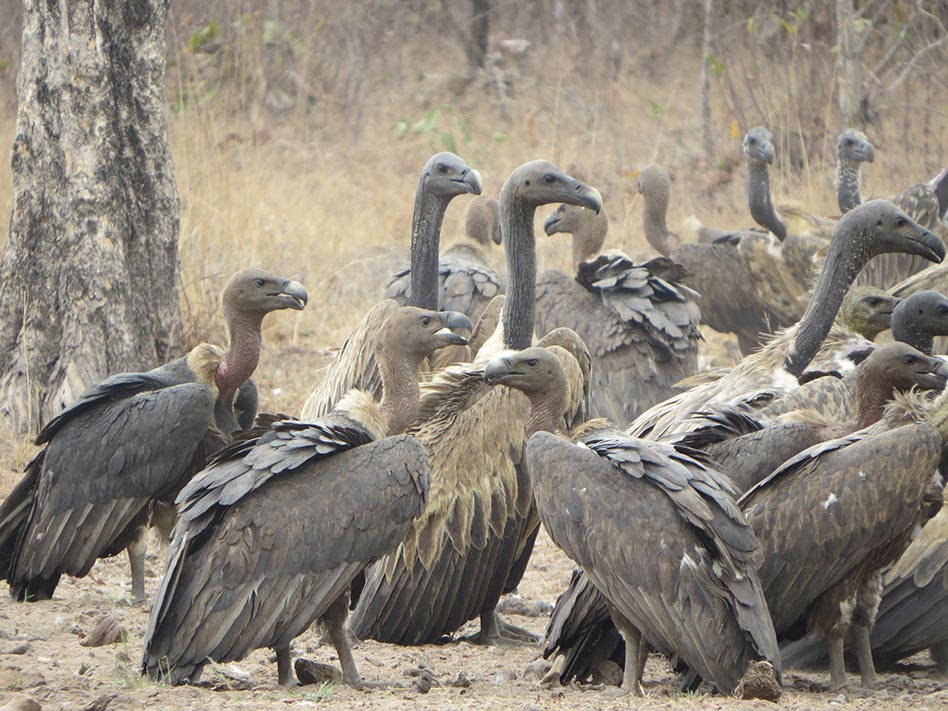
{"x":784,"y":512}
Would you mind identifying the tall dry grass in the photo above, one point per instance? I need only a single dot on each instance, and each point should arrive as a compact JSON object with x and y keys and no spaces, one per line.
{"x":297,"y":149}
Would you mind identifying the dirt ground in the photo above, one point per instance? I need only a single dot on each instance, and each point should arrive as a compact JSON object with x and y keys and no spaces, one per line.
{"x":42,"y":657}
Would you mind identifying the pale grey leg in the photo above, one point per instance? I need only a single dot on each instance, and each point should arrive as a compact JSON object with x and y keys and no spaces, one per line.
{"x":285,"y":666}
{"x":136,"y":561}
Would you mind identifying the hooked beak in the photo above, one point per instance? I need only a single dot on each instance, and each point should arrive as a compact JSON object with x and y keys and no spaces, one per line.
{"x":497,"y":370}
{"x":584,"y":196}
{"x":471,"y":182}
{"x":453,"y":320}
{"x":864,"y":151}
{"x":764,"y":150}
{"x":294,"y":295}
{"x":549,"y":226}
{"x":925,"y":244}
{"x":936,"y":377}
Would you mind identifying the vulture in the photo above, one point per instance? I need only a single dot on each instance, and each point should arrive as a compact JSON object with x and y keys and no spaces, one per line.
{"x":473,"y":542}
{"x":727,"y":300}
{"x":467,"y":283}
{"x":921,"y":317}
{"x":867,"y":311}
{"x":639,"y":324}
{"x":747,"y":450}
{"x":131,"y":440}
{"x":831,"y":518}
{"x":684,"y":585}
{"x":875,"y":227}
{"x":273,"y":532}
{"x":926,"y":203}
{"x":444,"y":177}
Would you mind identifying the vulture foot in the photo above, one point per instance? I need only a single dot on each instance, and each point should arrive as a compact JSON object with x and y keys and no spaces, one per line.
{"x":495,"y":631}
{"x":136,"y":562}
{"x":285,"y":667}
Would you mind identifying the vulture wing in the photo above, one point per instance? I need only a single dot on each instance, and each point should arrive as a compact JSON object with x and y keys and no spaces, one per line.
{"x":259,"y":571}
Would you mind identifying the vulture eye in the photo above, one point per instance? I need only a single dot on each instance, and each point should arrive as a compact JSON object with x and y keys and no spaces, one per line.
{"x":751,"y":140}
{"x":442,"y":168}
{"x":874,"y":301}
{"x":899,"y":221}
{"x":425,"y":321}
{"x":909,"y":359}
{"x":259,"y":282}
{"x":942,"y":309}
{"x":532,"y":362}
{"x":849,"y":141}
{"x":549,"y":179}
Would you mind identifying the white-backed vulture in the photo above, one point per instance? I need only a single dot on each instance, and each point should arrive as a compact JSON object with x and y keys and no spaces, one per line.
{"x":926,"y":203}
{"x":873,"y":228}
{"x":475,"y":537}
{"x":746,"y":449}
{"x":727,"y":299}
{"x":691,"y":589}
{"x":273,"y":532}
{"x":444,"y":177}
{"x":920,"y":318}
{"x":466,"y":281}
{"x":640,"y":325}
{"x":830,"y":519}
{"x":127,"y":442}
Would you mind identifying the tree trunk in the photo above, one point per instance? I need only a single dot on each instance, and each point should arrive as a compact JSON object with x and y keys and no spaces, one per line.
{"x":706,"y":84}
{"x":851,"y":33}
{"x":480,"y":29}
{"x":89,"y":280}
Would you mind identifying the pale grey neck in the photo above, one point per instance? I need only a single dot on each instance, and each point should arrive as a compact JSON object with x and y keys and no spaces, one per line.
{"x":589,"y":238}
{"x":759,"y":199}
{"x":520,"y":248}
{"x":425,"y":246}
{"x":656,"y":229}
{"x":547,"y":409}
{"x":847,"y":185}
{"x":401,"y":392}
{"x":911,"y":333}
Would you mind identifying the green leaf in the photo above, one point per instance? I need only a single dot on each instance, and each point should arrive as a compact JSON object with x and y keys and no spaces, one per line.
{"x":203,"y":36}
{"x":717,"y":66}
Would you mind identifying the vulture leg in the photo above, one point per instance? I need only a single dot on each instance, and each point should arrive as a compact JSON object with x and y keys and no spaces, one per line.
{"x":864,"y":616}
{"x":513,"y":633}
{"x":495,"y":631}
{"x":940,"y":657}
{"x":863,"y":649}
{"x":837,"y":662}
{"x":335,"y":621}
{"x":636,"y":652}
{"x":284,"y":666}
{"x":136,"y":561}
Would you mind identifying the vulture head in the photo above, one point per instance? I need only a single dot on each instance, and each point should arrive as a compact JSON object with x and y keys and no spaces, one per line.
{"x":532,"y":371}
{"x":867,"y":310}
{"x":539,"y":182}
{"x":854,"y":147}
{"x":654,"y":184}
{"x":900,"y":367}
{"x":759,"y":145}
{"x":446,"y":176}
{"x":920,"y":317}
{"x":415,"y":333}
{"x":482,"y":220}
{"x":253,"y":291}
{"x":877,"y":227}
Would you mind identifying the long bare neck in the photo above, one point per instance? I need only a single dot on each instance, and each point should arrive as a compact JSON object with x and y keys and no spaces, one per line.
{"x":847,"y":185}
{"x":520,"y":248}
{"x":907,"y":332}
{"x":759,"y":199}
{"x":243,"y":355}
{"x":871,"y":398}
{"x":400,"y":390}
{"x":546,"y":409}
{"x":656,"y":230}
{"x":589,"y":238}
{"x":425,"y":245}
{"x":838,"y":274}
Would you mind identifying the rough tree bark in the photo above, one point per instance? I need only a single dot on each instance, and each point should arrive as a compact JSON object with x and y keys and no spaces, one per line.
{"x":851,"y":34}
{"x":89,"y":280}
{"x":476,"y":46}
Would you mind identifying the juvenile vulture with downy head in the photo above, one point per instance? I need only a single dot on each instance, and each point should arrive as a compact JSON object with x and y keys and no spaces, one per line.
{"x":691,"y":588}
{"x":466,"y":281}
{"x":131,"y":440}
{"x":875,"y":227}
{"x":926,"y":203}
{"x":444,"y":177}
{"x":639,"y":324}
{"x":832,"y":517}
{"x":476,"y":535}
{"x":746,"y":449}
{"x":272,"y":534}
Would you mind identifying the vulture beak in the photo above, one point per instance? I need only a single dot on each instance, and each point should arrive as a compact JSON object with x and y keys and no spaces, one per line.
{"x":471,"y":180}
{"x":497,"y":370}
{"x":891,"y":309}
{"x":937,"y":375}
{"x":549,"y":225}
{"x":864,"y":151}
{"x":923,"y":243}
{"x":453,"y":320}
{"x":763,"y":151}
{"x":293,"y":294}
{"x":586,"y":196}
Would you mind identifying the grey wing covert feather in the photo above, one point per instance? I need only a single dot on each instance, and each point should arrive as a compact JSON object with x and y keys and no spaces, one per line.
{"x":264,"y":568}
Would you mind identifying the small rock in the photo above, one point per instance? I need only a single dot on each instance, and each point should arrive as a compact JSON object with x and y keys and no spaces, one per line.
{"x":505,"y":676}
{"x":18,"y":648}
{"x":461,"y":681}
{"x":21,"y":703}
{"x":552,"y":678}
{"x":106,"y":631}
{"x":421,"y":685}
{"x":516,"y":605}
{"x":530,"y":707}
{"x":310,"y":672}
{"x":536,"y":670}
{"x":101,"y":703}
{"x":607,"y":672}
{"x":12,"y":677}
{"x":759,"y":682}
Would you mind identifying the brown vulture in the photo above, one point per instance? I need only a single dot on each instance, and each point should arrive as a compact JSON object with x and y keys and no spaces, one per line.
{"x":875,"y":227}
{"x":466,"y":281}
{"x":639,"y":324}
{"x":691,"y":588}
{"x":131,"y":440}
{"x":444,"y":177}
{"x":473,"y":542}
{"x":926,"y":203}
{"x":273,"y":532}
